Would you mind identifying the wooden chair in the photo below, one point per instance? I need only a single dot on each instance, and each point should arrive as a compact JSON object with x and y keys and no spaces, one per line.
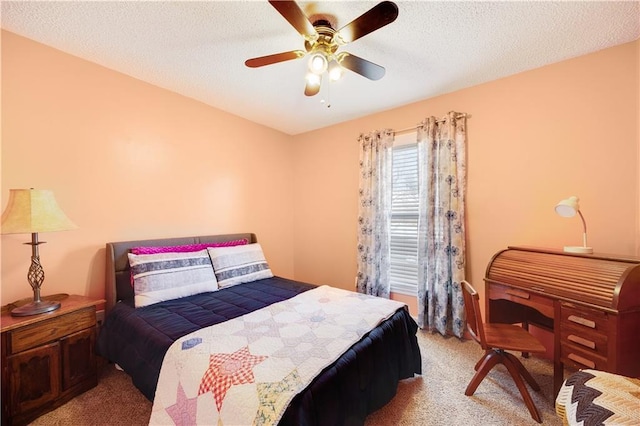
{"x":496,"y":340}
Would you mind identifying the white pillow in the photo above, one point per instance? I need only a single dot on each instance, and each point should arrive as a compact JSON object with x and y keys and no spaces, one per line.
{"x":165,"y":276}
{"x":239,"y":264}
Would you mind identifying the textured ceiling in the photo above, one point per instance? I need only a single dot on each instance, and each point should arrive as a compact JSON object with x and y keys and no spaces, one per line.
{"x":198,"y":49}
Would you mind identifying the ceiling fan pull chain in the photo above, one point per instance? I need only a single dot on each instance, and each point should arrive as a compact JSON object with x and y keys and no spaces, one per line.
{"x":329,"y":94}
{"x":327,"y":101}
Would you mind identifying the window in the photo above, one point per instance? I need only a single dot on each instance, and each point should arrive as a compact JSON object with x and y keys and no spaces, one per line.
{"x":404,"y":220}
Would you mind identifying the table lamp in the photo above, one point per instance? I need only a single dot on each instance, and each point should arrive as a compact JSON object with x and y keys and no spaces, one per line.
{"x":568,"y":208}
{"x":33,"y":211}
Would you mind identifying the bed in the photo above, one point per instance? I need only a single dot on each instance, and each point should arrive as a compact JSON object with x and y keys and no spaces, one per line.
{"x":594,"y":397}
{"x":361,"y":380}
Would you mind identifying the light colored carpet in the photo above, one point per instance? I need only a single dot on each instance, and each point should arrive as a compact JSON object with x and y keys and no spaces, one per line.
{"x":435,"y":398}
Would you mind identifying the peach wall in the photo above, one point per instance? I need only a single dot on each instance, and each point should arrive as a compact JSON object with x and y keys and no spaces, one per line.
{"x":128,"y":160}
{"x":570,"y":128}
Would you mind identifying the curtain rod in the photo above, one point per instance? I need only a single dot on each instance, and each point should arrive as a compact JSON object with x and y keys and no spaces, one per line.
{"x":413,"y":129}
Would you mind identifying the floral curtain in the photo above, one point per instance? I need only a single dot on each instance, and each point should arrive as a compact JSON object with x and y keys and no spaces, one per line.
{"x":441,"y":225}
{"x":374,"y":212}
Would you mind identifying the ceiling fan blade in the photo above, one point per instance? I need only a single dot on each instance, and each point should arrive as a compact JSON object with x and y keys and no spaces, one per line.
{"x":361,"y":66}
{"x":296,"y":17}
{"x":377,"y":17}
{"x":274,"y":59}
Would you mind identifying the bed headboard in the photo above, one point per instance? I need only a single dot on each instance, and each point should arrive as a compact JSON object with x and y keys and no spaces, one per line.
{"x":118,"y":276}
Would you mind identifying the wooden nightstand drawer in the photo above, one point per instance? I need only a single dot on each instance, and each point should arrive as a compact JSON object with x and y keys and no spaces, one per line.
{"x":51,"y":329}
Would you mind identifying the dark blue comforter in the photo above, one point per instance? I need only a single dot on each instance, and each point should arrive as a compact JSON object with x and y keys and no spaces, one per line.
{"x":361,"y":381}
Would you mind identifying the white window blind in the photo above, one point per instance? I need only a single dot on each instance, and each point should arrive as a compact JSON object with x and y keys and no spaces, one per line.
{"x":404,"y":220}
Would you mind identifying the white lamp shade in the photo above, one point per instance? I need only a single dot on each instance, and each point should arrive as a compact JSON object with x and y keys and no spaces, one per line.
{"x":33,"y":210}
{"x":568,"y":207}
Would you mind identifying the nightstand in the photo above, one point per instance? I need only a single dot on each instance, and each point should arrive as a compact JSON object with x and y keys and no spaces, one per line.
{"x":47,"y":359}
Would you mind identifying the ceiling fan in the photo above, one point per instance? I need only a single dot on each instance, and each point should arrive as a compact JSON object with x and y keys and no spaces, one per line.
{"x":321,"y":43}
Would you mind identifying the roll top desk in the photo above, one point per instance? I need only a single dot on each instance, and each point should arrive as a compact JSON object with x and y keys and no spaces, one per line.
{"x":591,"y":303}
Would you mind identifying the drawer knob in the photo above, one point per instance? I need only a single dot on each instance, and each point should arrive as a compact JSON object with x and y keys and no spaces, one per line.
{"x":581,"y":360}
{"x":582,"y":341}
{"x":582,"y":321}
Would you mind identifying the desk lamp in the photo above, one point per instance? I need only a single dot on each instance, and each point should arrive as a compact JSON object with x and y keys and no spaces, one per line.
{"x":568,"y":208}
{"x":32,"y":211}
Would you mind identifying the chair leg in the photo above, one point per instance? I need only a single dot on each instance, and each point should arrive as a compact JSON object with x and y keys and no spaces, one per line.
{"x":523,"y":371}
{"x":517,"y":378}
{"x":525,"y":325}
{"x":489,"y":360}
{"x":481,"y":360}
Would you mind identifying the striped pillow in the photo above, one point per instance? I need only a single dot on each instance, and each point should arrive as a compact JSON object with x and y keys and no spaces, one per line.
{"x":184,"y":248}
{"x":165,"y":276}
{"x":239,"y":264}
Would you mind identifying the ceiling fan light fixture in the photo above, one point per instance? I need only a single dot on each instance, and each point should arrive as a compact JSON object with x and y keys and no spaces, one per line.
{"x":335,"y":70}
{"x":322,"y":41}
{"x":318,"y":63}
{"x":313,"y":79}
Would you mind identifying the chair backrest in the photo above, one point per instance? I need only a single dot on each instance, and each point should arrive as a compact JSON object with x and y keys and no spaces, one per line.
{"x":474,"y":316}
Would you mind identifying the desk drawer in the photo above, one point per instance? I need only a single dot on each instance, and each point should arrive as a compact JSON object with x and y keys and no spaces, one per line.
{"x":542,"y":304}
{"x":589,"y":320}
{"x":588,"y":340}
{"x":579,"y":358}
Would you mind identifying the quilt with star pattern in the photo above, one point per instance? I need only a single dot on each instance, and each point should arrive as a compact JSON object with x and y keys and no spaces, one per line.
{"x":248,"y":369}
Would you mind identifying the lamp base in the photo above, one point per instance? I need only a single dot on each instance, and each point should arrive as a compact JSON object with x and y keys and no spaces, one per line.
{"x":35,"y":308}
{"x":578,"y":249}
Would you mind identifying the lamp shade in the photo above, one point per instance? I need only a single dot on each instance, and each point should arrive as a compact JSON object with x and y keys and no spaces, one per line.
{"x":33,"y":210}
{"x":568,"y":207}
